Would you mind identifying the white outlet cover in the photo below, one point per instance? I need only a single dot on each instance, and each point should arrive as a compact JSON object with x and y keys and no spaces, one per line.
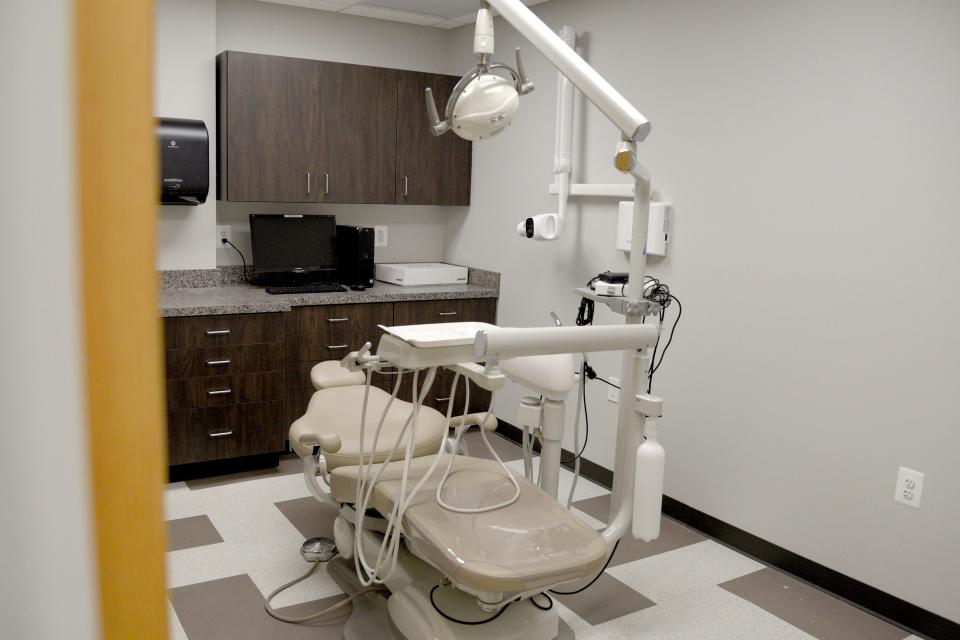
{"x":224,"y":231}
{"x":613,"y":394}
{"x":380,"y":236}
{"x":909,"y":487}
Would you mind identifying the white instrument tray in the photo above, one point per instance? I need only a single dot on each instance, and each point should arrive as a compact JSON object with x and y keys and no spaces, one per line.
{"x":444,"y":334}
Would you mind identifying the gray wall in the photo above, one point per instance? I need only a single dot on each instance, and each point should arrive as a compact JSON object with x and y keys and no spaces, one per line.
{"x":811,"y":150}
{"x":190,"y":33}
{"x":415,"y":233}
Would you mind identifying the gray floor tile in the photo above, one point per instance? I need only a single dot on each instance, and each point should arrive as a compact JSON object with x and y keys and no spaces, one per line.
{"x":289,"y":464}
{"x":815,"y":612}
{"x":232,"y":609}
{"x":673,"y":535}
{"x":186,"y":533}
{"x":605,"y":600}
{"x":506,"y":449}
{"x":310,"y":517}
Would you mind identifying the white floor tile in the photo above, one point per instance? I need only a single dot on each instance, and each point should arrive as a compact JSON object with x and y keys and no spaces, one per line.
{"x":670,"y":575}
{"x":716,"y":614}
{"x":174,"y":628}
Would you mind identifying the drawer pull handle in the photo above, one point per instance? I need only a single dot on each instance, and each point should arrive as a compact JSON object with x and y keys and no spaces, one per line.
{"x":221,"y":434}
{"x":218,"y":332}
{"x":219,"y":392}
{"x":337,"y":346}
{"x":337,"y":319}
{"x":447,"y":399}
{"x":218,"y":363}
{"x":447,"y":313}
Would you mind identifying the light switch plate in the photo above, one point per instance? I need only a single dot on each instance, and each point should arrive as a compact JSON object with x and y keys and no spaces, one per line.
{"x":613,"y":394}
{"x":380,"y":236}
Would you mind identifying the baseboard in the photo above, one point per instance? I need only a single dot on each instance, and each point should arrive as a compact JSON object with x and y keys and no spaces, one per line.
{"x":879,"y":603}
{"x":196,"y":470}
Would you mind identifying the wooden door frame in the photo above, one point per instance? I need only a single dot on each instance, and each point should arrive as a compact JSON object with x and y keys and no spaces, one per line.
{"x":115,"y":186}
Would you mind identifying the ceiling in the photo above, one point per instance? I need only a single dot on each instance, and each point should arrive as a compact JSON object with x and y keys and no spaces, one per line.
{"x":445,"y":14}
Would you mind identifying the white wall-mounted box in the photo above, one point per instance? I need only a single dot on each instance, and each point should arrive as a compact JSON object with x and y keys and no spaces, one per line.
{"x":658,"y":233}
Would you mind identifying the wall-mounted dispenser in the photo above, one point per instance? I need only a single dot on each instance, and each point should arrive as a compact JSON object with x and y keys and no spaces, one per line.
{"x":184,"y":161}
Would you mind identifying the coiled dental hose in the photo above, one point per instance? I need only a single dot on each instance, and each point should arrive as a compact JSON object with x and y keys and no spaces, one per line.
{"x":314,"y":616}
{"x":483,"y":434}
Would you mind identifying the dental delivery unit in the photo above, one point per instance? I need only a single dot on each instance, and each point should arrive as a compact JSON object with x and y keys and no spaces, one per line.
{"x":463,"y":547}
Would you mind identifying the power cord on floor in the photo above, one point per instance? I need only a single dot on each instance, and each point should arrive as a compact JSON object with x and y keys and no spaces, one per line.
{"x":595,"y":578}
{"x":467,"y":622}
{"x":320,"y":614}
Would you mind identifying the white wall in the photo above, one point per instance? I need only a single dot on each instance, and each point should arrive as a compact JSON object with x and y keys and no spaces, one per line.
{"x":185,"y":87}
{"x":190,"y":33}
{"x":811,"y":150}
{"x":47,"y":558}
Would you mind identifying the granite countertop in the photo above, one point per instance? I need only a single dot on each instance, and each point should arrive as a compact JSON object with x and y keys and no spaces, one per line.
{"x":197,"y":293}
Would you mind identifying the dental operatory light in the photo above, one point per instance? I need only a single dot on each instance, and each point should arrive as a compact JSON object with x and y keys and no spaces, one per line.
{"x":486,"y":99}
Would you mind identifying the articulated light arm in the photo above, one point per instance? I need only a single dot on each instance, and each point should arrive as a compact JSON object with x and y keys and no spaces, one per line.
{"x":601,"y":93}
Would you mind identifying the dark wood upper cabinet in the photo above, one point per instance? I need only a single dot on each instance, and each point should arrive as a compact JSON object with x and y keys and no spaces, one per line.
{"x":269,"y":128}
{"x":430,"y":169}
{"x":293,"y":130}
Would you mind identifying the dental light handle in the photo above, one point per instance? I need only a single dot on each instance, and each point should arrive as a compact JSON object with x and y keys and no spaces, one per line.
{"x":648,"y":485}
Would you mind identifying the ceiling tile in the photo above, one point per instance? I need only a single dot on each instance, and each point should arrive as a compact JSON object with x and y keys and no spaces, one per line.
{"x":323,"y":5}
{"x":396,"y":15}
{"x":444,"y":8}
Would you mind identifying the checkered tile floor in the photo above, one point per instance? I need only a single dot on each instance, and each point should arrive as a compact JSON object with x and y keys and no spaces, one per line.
{"x":233,"y":539}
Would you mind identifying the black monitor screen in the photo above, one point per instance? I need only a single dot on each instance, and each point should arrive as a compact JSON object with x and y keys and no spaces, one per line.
{"x":293,"y":243}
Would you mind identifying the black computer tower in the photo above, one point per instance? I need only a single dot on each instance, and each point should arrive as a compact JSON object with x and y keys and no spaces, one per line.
{"x":355,"y":255}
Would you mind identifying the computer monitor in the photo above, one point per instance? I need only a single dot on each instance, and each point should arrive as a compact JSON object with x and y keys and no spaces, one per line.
{"x":293,"y":249}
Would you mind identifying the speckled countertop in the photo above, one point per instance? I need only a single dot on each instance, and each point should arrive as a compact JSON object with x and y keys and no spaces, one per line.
{"x":221,"y":291}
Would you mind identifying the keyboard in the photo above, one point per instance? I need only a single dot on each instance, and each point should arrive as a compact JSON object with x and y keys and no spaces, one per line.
{"x":320,"y":287}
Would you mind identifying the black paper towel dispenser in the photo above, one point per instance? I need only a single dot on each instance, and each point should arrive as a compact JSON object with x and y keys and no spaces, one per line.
{"x":184,"y":161}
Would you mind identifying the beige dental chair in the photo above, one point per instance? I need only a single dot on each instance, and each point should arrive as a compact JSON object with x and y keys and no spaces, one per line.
{"x":490,"y":557}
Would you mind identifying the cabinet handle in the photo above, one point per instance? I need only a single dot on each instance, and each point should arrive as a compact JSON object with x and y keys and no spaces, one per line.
{"x":447,"y":399}
{"x":308,"y":183}
{"x":220,"y":434}
{"x":447,"y":313}
{"x":337,"y":346}
{"x":218,"y":363}
{"x":219,"y":392}
{"x":218,"y":332}
{"x":337,"y":319}
{"x":406,"y":186}
{"x":326,"y":184}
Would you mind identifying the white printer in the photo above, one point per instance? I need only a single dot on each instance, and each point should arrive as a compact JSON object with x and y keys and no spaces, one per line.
{"x":410,"y":274}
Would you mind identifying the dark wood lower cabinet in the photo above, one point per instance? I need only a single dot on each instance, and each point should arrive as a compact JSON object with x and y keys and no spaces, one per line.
{"x":236,"y":383}
{"x":199,"y":435}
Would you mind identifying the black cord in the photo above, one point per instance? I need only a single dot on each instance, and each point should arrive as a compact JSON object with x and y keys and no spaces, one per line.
{"x":672,"y":329}
{"x":586,"y":421}
{"x":595,"y":578}
{"x":246,"y":276}
{"x":468,"y":622}
{"x":549,"y":601}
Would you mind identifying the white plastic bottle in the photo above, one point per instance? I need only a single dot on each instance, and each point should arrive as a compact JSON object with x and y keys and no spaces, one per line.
{"x":648,"y":487}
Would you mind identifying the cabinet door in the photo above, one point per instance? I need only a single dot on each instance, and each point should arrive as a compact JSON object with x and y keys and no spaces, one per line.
{"x":430,"y":170}
{"x":359,"y":126}
{"x":270,"y":128}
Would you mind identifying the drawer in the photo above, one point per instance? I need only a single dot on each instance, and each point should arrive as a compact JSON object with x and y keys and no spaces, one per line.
{"x":295,"y":404}
{"x":224,"y":361}
{"x":217,"y":331}
{"x":341,"y":319}
{"x":433,"y":311}
{"x":215,"y":391}
{"x":198,"y":435}
{"x":317,"y":347}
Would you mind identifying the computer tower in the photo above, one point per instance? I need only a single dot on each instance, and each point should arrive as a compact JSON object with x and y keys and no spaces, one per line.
{"x":355,"y":255}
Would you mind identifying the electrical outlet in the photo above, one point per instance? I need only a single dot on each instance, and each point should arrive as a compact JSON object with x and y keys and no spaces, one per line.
{"x":380,"y":236}
{"x":224,"y":233}
{"x":613,"y":394}
{"x":909,"y":487}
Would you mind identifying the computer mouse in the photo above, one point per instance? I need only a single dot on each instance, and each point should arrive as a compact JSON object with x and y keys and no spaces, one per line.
{"x":357,"y":287}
